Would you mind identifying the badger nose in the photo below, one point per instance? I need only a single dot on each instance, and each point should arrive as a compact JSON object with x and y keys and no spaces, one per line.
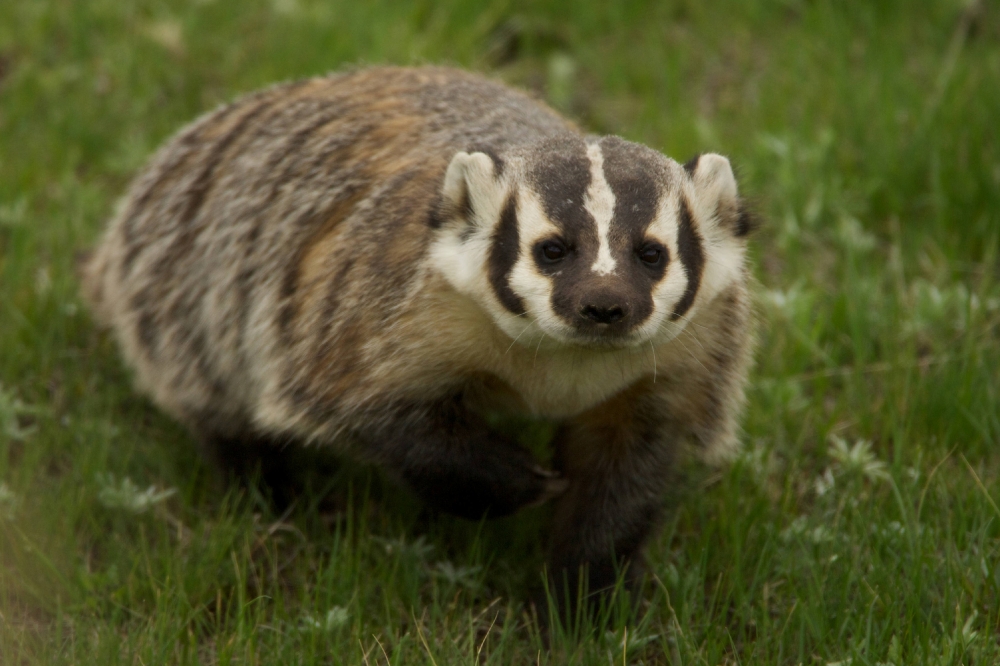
{"x":603,"y":313}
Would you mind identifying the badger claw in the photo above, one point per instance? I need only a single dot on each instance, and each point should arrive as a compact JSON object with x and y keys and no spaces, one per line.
{"x":554,"y":486}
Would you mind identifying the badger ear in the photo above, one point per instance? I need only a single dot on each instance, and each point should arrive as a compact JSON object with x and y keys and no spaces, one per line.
{"x":470,"y":191}
{"x":713,"y":178}
{"x":715,"y":187}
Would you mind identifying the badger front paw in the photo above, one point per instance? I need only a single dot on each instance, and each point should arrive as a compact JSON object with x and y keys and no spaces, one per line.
{"x":492,"y":478}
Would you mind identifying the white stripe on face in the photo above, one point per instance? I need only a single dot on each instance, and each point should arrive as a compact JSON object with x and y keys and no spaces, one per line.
{"x":599,"y":201}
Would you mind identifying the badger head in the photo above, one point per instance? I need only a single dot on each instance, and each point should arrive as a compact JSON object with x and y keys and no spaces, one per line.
{"x":593,"y":242}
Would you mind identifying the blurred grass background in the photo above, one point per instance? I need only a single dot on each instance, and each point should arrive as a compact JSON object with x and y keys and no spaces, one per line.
{"x":859,"y":526}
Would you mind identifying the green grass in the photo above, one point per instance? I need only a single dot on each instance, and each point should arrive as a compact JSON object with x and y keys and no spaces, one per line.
{"x":860,"y":524}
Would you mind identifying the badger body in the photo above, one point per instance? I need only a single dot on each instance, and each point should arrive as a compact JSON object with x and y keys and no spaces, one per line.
{"x":371,"y":261}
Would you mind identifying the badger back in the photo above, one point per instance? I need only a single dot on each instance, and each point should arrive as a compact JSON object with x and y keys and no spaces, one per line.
{"x":267,"y":241}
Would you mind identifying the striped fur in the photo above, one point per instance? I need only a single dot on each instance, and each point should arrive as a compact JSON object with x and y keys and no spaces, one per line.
{"x":354,"y":261}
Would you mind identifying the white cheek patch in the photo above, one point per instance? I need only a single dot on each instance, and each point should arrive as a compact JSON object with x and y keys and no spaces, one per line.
{"x":534,"y":288}
{"x":670,"y":289}
{"x":462,"y":261}
{"x":599,"y":201}
{"x":723,"y":263}
{"x":724,"y":253}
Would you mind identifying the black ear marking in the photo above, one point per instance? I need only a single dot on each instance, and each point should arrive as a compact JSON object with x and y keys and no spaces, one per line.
{"x":692,"y":165}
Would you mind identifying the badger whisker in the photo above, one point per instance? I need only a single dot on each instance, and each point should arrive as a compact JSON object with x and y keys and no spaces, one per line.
{"x":529,"y":325}
{"x":653,"y":349}
{"x":534,"y":359}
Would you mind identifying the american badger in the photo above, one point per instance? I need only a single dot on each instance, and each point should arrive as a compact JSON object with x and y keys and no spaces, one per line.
{"x":375,"y":261}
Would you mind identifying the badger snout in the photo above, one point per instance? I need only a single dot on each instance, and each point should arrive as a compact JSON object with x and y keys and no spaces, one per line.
{"x":604,"y":312}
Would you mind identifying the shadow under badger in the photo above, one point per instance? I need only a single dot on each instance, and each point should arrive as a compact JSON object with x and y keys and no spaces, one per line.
{"x":371,"y":261}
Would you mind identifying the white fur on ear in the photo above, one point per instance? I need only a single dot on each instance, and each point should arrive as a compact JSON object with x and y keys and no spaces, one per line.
{"x":470,"y":187}
{"x":714,"y":180}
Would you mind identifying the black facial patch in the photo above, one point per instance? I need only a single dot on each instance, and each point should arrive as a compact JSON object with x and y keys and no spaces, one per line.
{"x":561,"y":177}
{"x":632,"y":176}
{"x":503,"y":255}
{"x":692,"y":256}
{"x":635,"y":175}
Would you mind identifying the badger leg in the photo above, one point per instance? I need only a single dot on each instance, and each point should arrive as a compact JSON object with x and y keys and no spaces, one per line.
{"x":447,"y":455}
{"x":617,"y":459}
{"x":245,"y":456}
{"x":277,"y":466}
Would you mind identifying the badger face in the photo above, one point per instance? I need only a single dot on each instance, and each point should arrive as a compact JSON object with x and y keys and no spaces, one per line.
{"x":595,"y":243}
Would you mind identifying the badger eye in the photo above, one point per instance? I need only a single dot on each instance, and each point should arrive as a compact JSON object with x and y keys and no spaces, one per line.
{"x":650,"y":254}
{"x":552,"y":251}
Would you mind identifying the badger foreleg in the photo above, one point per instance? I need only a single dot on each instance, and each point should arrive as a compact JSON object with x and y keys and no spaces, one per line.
{"x":449,"y":457}
{"x":618,"y":460}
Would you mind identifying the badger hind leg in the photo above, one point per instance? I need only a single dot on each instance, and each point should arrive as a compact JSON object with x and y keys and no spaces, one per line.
{"x":278,"y":467}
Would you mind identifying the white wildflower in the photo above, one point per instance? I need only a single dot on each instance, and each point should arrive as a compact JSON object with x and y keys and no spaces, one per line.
{"x":852,"y":235}
{"x":790,"y":302}
{"x":858,"y":459}
{"x":128,"y":496}
{"x":629,"y":640}
{"x":9,"y":502}
{"x":335,"y":618}
{"x":11,"y":411}
{"x":12,"y":214}
{"x":286,"y":7}
{"x":825,"y":482}
{"x":799,"y":529}
{"x":168,"y":33}
{"x":968,"y":633}
{"x":43,"y":281}
{"x":758,"y":459}
{"x":894,"y":657}
{"x":795,"y":529}
{"x":418,"y":549}
{"x":561,"y":71}
{"x":950,"y":305}
{"x":460,"y":575}
{"x":782,"y":392}
{"x":820,"y":534}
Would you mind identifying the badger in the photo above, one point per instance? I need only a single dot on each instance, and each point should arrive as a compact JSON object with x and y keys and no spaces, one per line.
{"x":376,"y":261}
